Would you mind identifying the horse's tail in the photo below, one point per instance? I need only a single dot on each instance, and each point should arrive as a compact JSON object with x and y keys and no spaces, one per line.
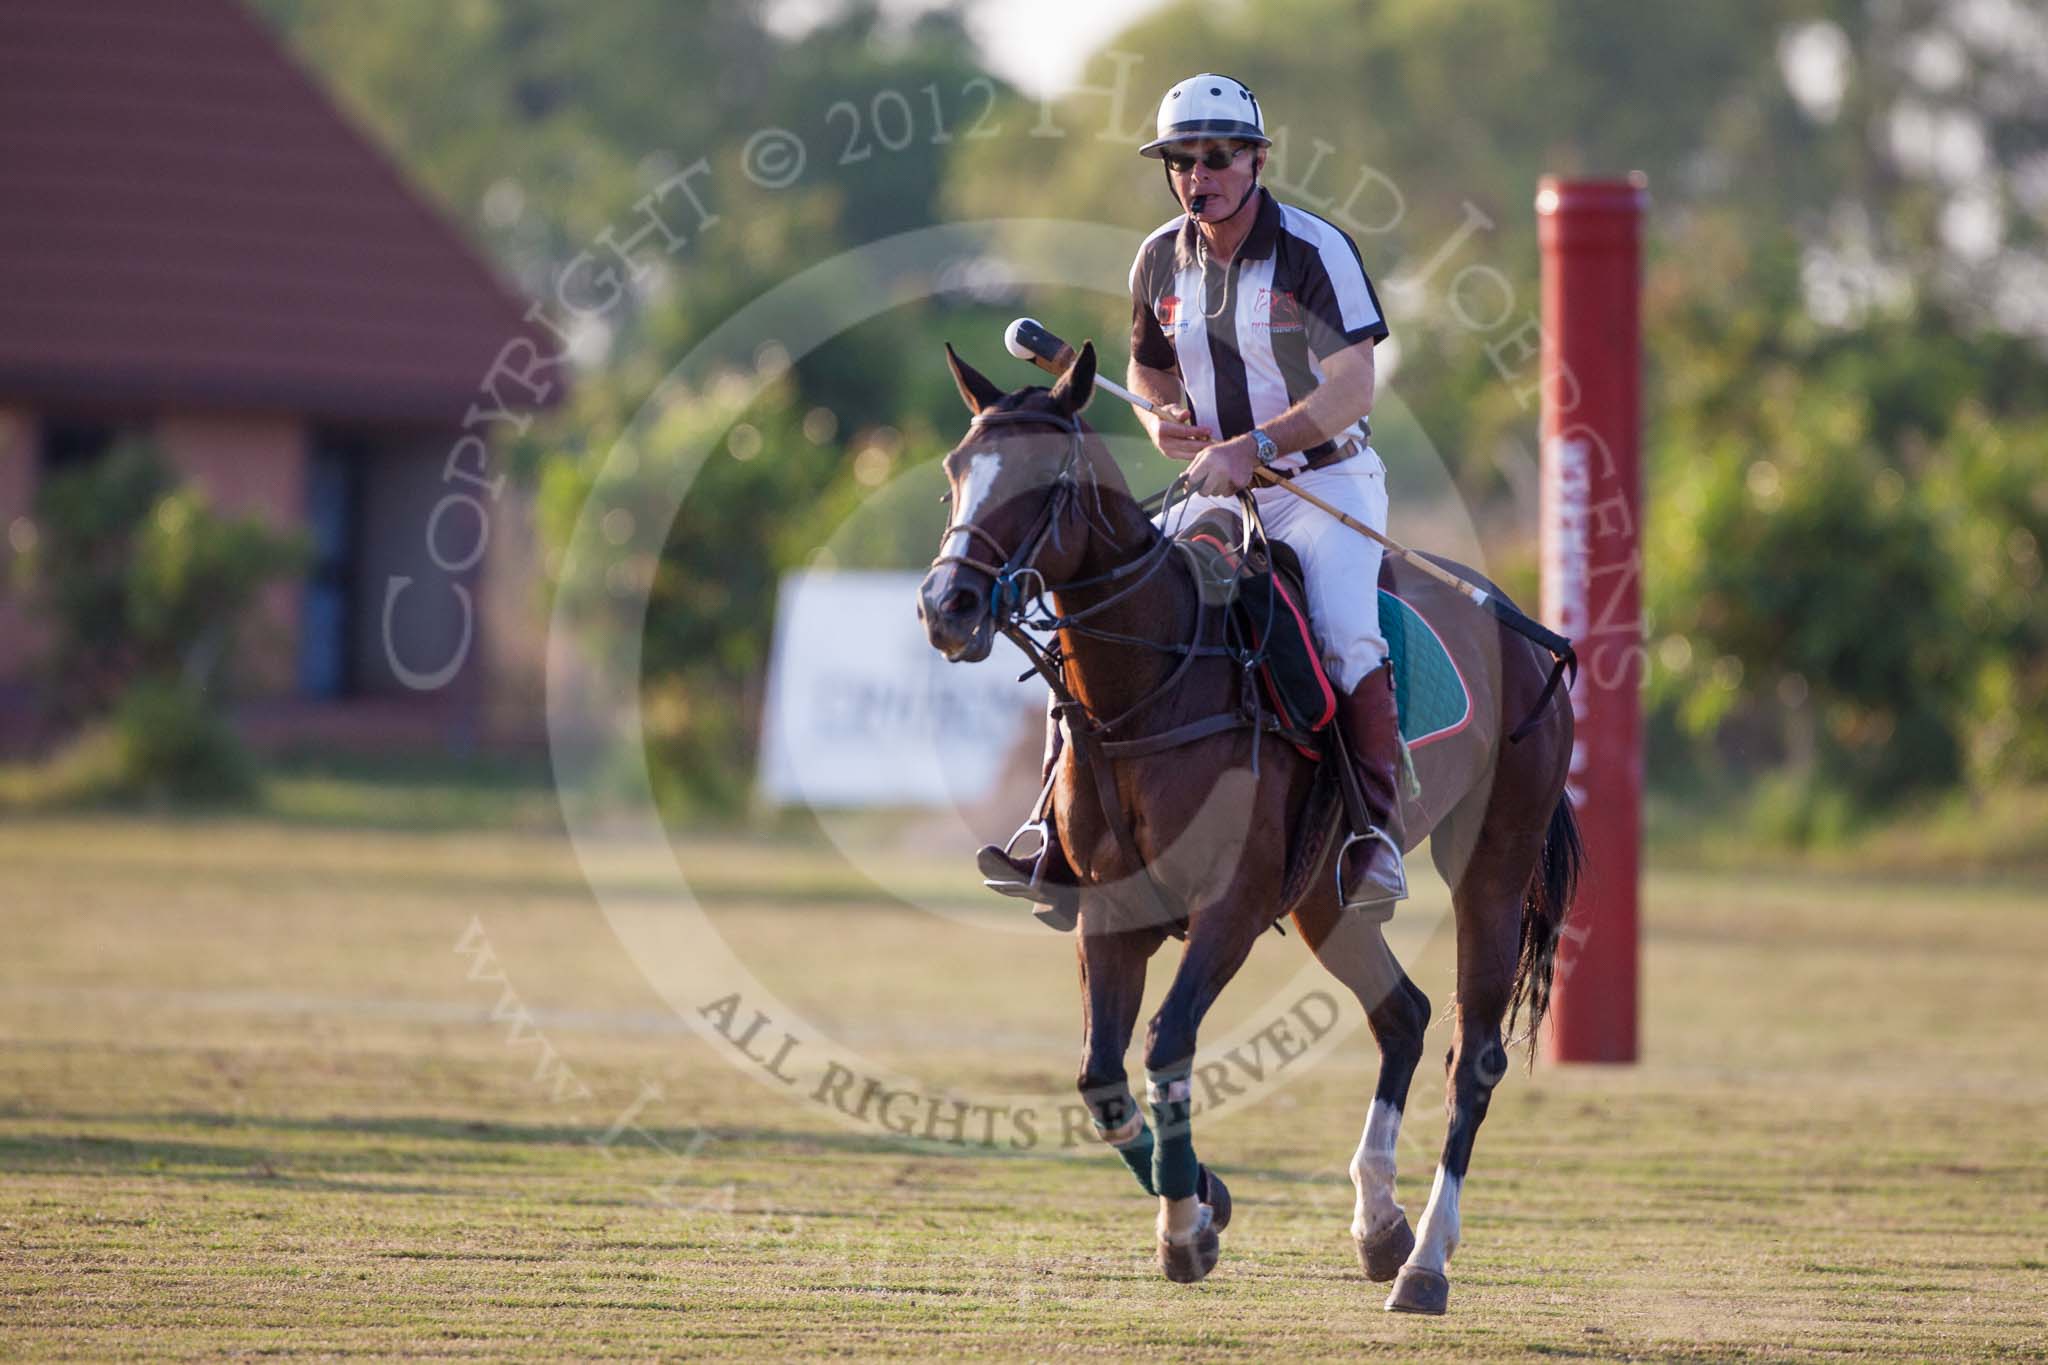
{"x":1552,"y":884}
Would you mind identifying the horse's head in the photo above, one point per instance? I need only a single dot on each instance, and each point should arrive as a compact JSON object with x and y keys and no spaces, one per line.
{"x":1016,"y":480}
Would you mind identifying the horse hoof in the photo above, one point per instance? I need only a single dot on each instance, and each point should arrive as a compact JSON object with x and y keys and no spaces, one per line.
{"x":1417,"y":1290}
{"x":1190,"y":1264}
{"x":1210,"y":1189}
{"x":1386,"y":1251}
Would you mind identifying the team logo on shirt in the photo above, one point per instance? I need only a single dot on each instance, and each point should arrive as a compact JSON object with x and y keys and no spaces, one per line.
{"x":1169,"y":310}
{"x":1277,"y":309}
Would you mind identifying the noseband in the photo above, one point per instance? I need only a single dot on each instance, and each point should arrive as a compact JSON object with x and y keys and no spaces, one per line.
{"x":1016,"y":578}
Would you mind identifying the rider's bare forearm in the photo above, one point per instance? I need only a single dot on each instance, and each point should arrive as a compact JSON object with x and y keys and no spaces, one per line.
{"x":1344,"y":396}
{"x":1159,"y":386}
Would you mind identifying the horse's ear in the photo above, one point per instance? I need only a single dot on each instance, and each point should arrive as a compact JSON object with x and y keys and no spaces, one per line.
{"x":975,"y":390}
{"x":1072,"y":390}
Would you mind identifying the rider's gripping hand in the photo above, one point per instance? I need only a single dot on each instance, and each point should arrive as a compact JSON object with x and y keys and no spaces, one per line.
{"x":1225,"y":467}
{"x":1177,"y":437}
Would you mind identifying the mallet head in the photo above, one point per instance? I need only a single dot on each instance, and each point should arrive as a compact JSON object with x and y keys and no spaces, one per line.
{"x":1027,"y":339}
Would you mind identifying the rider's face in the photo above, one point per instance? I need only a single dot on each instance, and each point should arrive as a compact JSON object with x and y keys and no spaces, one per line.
{"x":1224,"y":187}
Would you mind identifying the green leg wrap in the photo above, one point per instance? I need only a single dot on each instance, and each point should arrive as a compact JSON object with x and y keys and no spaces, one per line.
{"x":1114,"y":1112}
{"x":1174,"y":1168}
{"x":1137,"y":1154}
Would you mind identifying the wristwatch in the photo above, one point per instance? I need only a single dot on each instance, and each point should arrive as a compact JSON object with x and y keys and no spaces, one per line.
{"x":1268,"y":451}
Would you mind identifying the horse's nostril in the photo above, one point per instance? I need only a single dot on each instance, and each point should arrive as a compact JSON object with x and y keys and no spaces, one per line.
{"x":960,"y":602}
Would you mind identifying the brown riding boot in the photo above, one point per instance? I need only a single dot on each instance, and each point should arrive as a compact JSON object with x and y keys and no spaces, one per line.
{"x":1043,"y":878}
{"x":1371,"y":873}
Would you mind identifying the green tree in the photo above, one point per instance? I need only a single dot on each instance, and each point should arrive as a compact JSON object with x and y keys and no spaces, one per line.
{"x":1843,"y":235}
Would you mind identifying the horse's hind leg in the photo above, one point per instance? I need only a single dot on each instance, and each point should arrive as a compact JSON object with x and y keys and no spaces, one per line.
{"x":1488,"y":904}
{"x":1355,"y":951}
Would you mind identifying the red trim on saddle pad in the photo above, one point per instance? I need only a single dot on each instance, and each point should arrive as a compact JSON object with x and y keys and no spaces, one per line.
{"x":1326,"y":700}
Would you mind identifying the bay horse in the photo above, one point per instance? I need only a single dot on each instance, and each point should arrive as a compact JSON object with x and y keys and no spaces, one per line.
{"x":1040,"y":509}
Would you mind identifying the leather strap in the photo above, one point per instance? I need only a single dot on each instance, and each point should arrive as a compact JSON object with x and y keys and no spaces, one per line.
{"x":1112,"y":809}
{"x":1171,"y":739}
{"x":1220,"y":723}
{"x":1336,"y":454}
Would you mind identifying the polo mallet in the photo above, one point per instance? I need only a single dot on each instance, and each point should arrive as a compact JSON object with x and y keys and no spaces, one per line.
{"x":1027,"y":339}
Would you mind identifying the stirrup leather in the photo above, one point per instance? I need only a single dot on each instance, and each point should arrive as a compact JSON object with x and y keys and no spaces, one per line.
{"x":1366,"y":902}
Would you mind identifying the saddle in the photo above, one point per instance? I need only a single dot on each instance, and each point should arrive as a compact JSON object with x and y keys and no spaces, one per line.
{"x":1262,"y":584}
{"x":1432,"y":698}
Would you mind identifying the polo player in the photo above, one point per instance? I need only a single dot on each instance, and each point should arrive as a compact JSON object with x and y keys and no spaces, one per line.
{"x":1255,"y":320}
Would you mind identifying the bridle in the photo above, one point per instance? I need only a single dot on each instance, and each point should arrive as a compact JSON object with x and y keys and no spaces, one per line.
{"x":1013,"y":570}
{"x":1018,"y":602}
{"x":1018,"y":592}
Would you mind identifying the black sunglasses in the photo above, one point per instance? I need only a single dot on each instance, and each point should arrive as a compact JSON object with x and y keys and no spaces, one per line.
{"x":1215,"y":159}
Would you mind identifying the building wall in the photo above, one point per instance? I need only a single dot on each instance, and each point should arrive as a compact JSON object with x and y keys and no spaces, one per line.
{"x":251,"y":466}
{"x":516,"y":608}
{"x":259,"y":466}
{"x":422,"y":530}
{"x":19,"y":645}
{"x":420,"y":631}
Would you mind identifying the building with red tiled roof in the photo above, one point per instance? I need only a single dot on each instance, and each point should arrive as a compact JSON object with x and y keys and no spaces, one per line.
{"x":197,"y":246}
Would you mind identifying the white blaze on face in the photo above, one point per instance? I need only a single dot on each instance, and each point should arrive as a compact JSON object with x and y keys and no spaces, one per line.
{"x":1372,"y":1172}
{"x":984,"y":467}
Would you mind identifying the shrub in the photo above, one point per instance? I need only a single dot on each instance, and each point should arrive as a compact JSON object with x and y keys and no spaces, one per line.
{"x":142,"y":586}
{"x":1845,"y":551}
{"x":170,"y":741}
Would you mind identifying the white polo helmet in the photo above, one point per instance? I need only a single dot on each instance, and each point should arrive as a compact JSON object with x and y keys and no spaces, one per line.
{"x":1208,"y":105}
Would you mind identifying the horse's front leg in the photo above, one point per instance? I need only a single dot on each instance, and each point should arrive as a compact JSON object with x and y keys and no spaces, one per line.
{"x":1193,"y":1204}
{"x":1112,"y":990}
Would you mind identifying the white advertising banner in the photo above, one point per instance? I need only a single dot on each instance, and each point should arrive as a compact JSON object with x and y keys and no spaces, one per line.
{"x":862,"y":711}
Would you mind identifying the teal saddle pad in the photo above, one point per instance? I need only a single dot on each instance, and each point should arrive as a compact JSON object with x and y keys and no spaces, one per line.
{"x":1429,"y":692}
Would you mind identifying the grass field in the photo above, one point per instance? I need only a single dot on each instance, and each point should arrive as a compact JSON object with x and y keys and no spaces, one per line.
{"x":254,"y":1101}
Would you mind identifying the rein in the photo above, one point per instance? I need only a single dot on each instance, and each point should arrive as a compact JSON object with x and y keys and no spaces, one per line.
{"x":1018,"y":585}
{"x":1018,"y":605}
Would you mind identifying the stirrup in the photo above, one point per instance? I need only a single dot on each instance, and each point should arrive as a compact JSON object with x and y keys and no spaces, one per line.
{"x":1029,"y":889}
{"x":1384,"y":899}
{"x":1057,"y":907}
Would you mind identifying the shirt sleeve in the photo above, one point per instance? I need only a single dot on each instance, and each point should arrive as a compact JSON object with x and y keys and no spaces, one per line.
{"x":1149,"y":346}
{"x":1338,"y":305}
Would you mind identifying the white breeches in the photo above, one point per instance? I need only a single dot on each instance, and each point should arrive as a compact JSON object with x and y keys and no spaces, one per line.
{"x":1342,"y":566}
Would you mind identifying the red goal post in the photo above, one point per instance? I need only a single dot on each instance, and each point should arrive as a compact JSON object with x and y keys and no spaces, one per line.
{"x":1590,"y":236}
